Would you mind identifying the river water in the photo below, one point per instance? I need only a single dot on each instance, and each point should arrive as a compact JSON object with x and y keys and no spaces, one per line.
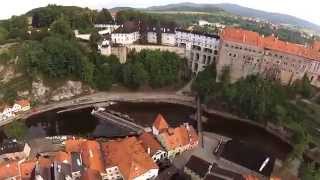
{"x":81,"y":122}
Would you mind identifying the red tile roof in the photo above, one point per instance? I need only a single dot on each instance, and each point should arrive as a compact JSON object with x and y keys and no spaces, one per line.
{"x":27,"y":168}
{"x":91,"y":155}
{"x":73,"y":145}
{"x":160,"y":123}
{"x":8,"y":170}
{"x":193,"y":136}
{"x":149,"y":142}
{"x":90,"y":174}
{"x":63,"y":157}
{"x":44,"y":162}
{"x":271,"y":42}
{"x":23,"y":103}
{"x":129,"y":155}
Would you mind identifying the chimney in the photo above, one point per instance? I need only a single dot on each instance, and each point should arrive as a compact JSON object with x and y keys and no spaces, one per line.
{"x":244,"y":38}
{"x":149,"y":151}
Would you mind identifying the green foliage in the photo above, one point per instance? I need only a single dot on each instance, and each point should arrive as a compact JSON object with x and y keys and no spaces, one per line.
{"x":134,"y":75}
{"x":291,"y":36}
{"x":79,"y":18}
{"x":95,"y":38}
{"x":17,"y":27}
{"x":103,"y":17}
{"x":62,"y":28}
{"x":303,"y":87}
{"x":16,"y":129}
{"x":162,"y":68}
{"x":3,"y":34}
{"x":310,"y":172}
{"x":205,"y":81}
{"x":10,"y":96}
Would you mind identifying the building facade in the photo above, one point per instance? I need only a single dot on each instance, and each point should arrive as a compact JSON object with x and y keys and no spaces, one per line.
{"x":201,"y":48}
{"x":247,"y":53}
{"x":125,"y":38}
{"x":152,"y":37}
{"x":168,"y":39}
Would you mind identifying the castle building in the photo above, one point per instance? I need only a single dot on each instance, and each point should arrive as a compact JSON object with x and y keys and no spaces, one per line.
{"x":201,"y":48}
{"x":247,"y":52}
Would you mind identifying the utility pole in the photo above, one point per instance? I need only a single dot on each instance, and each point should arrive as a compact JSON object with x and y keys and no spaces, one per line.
{"x":199,"y":122}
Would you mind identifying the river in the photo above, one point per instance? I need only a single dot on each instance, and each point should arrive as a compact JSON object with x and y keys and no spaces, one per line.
{"x":81,"y":122}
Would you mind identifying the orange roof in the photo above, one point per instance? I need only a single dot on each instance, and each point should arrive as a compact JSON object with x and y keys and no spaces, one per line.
{"x":192,"y":134}
{"x":250,"y":177}
{"x":73,"y":145}
{"x":63,"y":157}
{"x":90,"y":174}
{"x":271,"y":42}
{"x":149,"y":142}
{"x":176,"y":137}
{"x":160,"y":123}
{"x":8,"y":170}
{"x":91,"y":155}
{"x":23,"y":103}
{"x":26,"y":169}
{"x":129,"y":155}
{"x":44,"y":162}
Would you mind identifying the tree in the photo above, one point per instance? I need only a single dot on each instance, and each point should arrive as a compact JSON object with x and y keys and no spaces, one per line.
{"x":103,"y":17}
{"x":16,"y":129}
{"x":95,"y":38}
{"x":134,"y":75}
{"x":18,"y":27}
{"x":303,"y":87}
{"x":62,"y":27}
{"x":3,"y":34}
{"x":310,"y":172}
{"x":103,"y":77}
{"x":10,"y":96}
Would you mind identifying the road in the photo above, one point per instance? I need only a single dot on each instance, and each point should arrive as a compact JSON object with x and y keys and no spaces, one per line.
{"x":107,"y":96}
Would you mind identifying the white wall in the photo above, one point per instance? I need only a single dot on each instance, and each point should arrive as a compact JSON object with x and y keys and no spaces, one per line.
{"x":152,"y":37}
{"x":151,"y":174}
{"x":168,"y":39}
{"x":125,"y":38}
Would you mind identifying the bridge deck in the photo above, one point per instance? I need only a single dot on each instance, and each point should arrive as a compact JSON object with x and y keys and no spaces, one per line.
{"x":120,"y":121}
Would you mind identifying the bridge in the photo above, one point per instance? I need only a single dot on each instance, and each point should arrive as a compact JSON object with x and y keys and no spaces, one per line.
{"x":119,"y":120}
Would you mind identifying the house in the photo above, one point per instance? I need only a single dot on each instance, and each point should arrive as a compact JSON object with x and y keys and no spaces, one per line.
{"x":201,"y":48}
{"x":62,"y":157}
{"x":76,"y":164}
{"x":91,"y":155}
{"x":27,"y":169}
{"x":174,"y":140}
{"x":62,"y":171}
{"x":8,"y":113}
{"x":127,"y":159}
{"x":197,"y":168}
{"x":16,"y":108}
{"x":90,"y":174}
{"x":13,"y":150}
{"x":43,"y":169}
{"x":152,"y":147}
{"x":152,"y":36}
{"x":168,"y":36}
{"x":127,"y":34}
{"x":10,"y":170}
{"x":160,"y":124}
{"x":25,"y":105}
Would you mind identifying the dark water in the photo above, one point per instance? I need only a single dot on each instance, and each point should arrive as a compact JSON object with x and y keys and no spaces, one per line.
{"x":81,"y":122}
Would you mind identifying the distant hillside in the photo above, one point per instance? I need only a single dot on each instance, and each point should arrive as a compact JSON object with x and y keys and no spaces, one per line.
{"x":276,"y":18}
{"x":185,"y":7}
{"x":116,"y":9}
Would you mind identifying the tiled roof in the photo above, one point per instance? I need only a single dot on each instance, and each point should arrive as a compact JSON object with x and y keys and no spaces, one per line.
{"x":160,"y":123}
{"x":73,"y":145}
{"x":23,"y":103}
{"x":27,"y":168}
{"x":90,"y":174}
{"x":129,"y":155}
{"x":193,"y":136}
{"x":44,"y":162}
{"x":149,"y":142}
{"x":176,"y":137}
{"x":250,"y":177}
{"x":91,"y":155}
{"x":271,"y":42}
{"x":62,"y":157}
{"x":198,"y":166}
{"x":10,"y":169}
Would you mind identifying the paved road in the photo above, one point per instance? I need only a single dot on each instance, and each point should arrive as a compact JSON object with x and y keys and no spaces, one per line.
{"x":107,"y":96}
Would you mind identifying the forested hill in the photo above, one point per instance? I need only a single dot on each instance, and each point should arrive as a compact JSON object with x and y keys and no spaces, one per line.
{"x":276,"y":18}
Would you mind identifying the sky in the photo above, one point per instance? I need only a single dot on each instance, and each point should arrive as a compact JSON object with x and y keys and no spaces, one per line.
{"x":305,"y":9}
